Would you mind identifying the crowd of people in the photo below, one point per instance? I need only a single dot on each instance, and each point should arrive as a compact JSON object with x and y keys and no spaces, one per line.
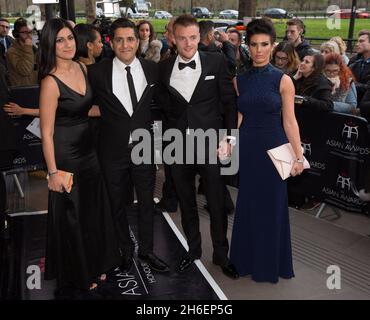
{"x":200,"y":79}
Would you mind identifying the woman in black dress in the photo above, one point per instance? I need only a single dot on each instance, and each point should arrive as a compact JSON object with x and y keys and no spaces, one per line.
{"x":81,"y":242}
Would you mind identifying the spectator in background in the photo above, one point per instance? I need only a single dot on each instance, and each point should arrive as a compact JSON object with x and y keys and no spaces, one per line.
{"x":295,"y":30}
{"x":5,"y":40}
{"x":243,"y":60}
{"x":360,"y":64}
{"x":329,"y":47}
{"x":89,"y":43}
{"x":103,"y":25}
{"x":216,"y":41}
{"x":342,"y":48}
{"x":21,"y":56}
{"x":89,"y":48}
{"x":168,"y":41}
{"x":150,"y":47}
{"x":313,"y":91}
{"x":285,"y":58}
{"x":313,"y":85}
{"x":344,"y":90}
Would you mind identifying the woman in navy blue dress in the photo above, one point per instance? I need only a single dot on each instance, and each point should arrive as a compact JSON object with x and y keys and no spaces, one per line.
{"x":260,"y":244}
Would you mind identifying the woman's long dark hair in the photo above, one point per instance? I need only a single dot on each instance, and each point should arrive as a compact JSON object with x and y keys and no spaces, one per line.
{"x":152,"y":36}
{"x":47,"y":56}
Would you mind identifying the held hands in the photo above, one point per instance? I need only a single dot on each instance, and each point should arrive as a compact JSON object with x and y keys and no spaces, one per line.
{"x":224,"y":151}
{"x":297,"y":168}
{"x":56,"y":183}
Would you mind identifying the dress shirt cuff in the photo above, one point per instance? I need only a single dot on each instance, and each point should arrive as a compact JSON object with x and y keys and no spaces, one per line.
{"x":231,"y":140}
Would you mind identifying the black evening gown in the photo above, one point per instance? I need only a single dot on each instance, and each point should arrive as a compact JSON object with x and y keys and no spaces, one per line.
{"x":81,"y":241}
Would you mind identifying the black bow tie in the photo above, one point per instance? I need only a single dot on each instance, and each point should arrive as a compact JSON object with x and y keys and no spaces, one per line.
{"x":191,"y":64}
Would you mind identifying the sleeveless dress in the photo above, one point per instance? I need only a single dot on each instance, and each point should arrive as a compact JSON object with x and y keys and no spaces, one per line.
{"x":81,"y":241}
{"x":260,"y":244}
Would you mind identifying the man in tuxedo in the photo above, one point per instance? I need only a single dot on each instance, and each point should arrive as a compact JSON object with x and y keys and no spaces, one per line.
{"x":124,"y":89}
{"x":195,"y":92}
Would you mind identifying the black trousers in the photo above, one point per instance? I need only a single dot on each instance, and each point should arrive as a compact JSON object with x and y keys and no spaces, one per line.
{"x":184,"y":178}
{"x":117,"y":177}
{"x":169,"y":195}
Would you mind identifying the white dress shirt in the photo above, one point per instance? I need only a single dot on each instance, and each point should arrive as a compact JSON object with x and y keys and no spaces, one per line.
{"x":120,"y":85}
{"x":185,"y":80}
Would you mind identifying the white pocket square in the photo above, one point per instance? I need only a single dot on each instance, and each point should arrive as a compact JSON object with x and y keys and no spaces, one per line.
{"x":152,"y":85}
{"x":209,"y":77}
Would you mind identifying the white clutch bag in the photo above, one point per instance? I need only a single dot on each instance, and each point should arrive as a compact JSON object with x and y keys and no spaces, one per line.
{"x":283,"y":158}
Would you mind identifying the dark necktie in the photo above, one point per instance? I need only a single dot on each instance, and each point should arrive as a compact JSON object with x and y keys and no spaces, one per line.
{"x":131,"y":88}
{"x":191,"y":64}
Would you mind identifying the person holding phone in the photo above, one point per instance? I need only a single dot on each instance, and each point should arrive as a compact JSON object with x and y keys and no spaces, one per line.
{"x":81,"y":240}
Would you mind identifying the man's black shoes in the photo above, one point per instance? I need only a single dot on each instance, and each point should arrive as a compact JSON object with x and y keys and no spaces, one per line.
{"x":230,"y":271}
{"x":154,"y":262}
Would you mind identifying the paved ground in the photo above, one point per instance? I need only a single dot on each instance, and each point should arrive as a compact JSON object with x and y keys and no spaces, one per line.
{"x":317,"y":244}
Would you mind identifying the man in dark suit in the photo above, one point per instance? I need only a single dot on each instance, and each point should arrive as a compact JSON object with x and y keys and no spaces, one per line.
{"x":196,"y":91}
{"x":124,"y":89}
{"x":5,"y":39}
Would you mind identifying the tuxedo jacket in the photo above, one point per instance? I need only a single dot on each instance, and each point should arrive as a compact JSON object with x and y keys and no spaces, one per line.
{"x":116,"y":123}
{"x":213,"y":103}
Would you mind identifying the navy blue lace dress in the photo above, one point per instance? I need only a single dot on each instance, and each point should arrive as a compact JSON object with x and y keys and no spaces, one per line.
{"x":260,"y":244}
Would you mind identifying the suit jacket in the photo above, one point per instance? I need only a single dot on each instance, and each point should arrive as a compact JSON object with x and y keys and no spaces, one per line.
{"x":116,"y":123}
{"x":213,"y":103}
{"x":8,"y":40}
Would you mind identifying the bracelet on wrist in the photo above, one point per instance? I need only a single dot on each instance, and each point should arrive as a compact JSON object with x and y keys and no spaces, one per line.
{"x":51,"y":174}
{"x":299,"y":160}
